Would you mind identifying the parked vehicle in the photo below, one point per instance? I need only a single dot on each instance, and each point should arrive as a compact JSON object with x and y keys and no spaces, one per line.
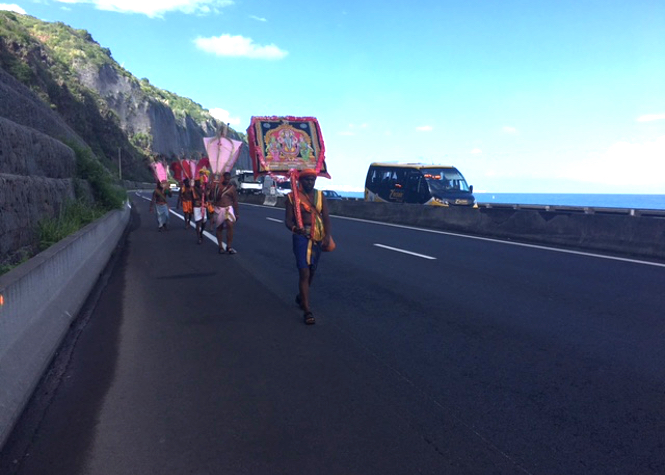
{"x":246,"y":182}
{"x":437,"y":185}
{"x":331,"y":195}
{"x":275,"y":186}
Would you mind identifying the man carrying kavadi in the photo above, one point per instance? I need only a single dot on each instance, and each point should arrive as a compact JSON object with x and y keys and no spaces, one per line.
{"x":199,"y":208}
{"x":311,"y":238}
{"x":185,"y":198}
{"x":159,"y":203}
{"x":224,"y":198}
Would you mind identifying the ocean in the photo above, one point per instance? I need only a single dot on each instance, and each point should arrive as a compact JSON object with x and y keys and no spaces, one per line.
{"x":564,"y":199}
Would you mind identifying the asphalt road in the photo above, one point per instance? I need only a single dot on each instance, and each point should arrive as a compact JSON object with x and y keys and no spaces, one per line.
{"x":432,"y":353}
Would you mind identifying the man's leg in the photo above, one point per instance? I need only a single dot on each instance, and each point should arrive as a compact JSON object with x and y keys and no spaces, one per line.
{"x":303,"y":287}
{"x":219,"y":232}
{"x":229,"y":237}
{"x":200,"y":226}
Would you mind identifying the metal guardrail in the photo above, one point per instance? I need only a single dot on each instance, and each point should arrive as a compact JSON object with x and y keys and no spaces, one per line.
{"x":650,"y":213}
{"x":647,"y":213}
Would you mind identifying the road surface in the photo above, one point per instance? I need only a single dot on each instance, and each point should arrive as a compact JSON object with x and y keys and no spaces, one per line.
{"x":432,"y":353}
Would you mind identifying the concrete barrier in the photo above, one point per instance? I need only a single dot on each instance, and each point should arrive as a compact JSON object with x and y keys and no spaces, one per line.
{"x":635,"y":233}
{"x":39,"y":300}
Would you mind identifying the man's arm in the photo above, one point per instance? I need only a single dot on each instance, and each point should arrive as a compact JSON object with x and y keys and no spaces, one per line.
{"x":289,"y":218}
{"x":326,"y":220}
{"x":234,"y":196}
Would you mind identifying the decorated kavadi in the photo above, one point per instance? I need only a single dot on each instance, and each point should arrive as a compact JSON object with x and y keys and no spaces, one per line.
{"x":282,"y":145}
{"x":160,"y":171}
{"x":222,"y":151}
{"x":182,"y":169}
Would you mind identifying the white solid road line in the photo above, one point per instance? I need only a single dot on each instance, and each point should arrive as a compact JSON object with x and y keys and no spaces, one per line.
{"x":404,"y":251}
{"x":275,"y":220}
{"x":207,"y":234}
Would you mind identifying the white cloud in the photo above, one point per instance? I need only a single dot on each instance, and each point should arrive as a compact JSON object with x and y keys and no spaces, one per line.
{"x":12,"y":7}
{"x":425,"y":128}
{"x":650,"y":117}
{"x":476,"y":151}
{"x":257,"y":18}
{"x":157,"y":8}
{"x":623,"y":165}
{"x":510,"y":130}
{"x":224,"y":116}
{"x":238,"y":46}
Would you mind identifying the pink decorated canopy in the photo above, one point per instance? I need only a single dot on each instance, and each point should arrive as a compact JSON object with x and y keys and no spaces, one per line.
{"x":160,"y":171}
{"x":182,"y":169}
{"x":223,"y":153}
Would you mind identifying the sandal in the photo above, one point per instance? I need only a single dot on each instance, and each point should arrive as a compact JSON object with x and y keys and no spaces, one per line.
{"x":309,"y":318}
{"x":231,"y":251}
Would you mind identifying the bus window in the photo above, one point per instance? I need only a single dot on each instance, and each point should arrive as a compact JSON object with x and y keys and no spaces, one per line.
{"x":417,"y":183}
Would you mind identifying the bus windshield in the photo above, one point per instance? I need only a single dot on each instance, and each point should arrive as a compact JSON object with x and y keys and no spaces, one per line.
{"x":444,"y":180}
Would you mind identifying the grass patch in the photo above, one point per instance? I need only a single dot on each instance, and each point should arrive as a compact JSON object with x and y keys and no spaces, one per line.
{"x":74,"y":216}
{"x":17,"y":261}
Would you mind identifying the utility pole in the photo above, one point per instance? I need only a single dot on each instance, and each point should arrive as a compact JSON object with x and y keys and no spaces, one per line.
{"x":119,"y":164}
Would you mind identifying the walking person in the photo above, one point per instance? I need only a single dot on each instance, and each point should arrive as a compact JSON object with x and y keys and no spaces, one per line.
{"x":224,"y":197}
{"x":311,"y":238}
{"x":199,"y":209}
{"x":160,"y":204}
{"x":185,"y":199}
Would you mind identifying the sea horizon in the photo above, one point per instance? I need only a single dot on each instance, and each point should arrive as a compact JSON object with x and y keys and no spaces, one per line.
{"x":597,"y":200}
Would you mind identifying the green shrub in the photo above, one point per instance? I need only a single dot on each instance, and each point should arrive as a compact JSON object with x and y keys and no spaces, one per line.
{"x":107,"y":194}
{"x":73,"y":216}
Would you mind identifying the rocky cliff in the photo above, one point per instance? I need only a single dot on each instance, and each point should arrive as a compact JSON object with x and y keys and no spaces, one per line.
{"x":115,"y":113}
{"x":61,"y":89}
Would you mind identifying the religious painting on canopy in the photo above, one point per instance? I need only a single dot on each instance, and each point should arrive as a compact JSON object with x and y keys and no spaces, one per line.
{"x":279,"y":145}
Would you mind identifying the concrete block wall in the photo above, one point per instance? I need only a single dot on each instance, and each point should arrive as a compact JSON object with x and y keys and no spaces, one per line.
{"x":38,"y":302}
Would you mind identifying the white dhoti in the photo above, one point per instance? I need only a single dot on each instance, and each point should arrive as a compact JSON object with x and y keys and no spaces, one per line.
{"x":200,"y":213}
{"x":223,"y":214}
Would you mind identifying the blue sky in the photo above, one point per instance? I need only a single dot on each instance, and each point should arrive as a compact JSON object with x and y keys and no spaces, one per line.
{"x":520,"y":95}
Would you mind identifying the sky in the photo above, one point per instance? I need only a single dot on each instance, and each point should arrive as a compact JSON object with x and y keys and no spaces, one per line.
{"x":522,"y":96}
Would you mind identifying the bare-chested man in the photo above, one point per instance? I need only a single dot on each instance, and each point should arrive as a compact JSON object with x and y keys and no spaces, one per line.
{"x":224,"y":197}
{"x":185,"y":199}
{"x":198,"y":207}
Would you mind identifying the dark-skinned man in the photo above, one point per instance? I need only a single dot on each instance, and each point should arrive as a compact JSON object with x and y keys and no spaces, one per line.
{"x":310,"y":238}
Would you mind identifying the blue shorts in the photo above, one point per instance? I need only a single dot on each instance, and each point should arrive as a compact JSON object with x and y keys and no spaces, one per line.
{"x":307,"y":252}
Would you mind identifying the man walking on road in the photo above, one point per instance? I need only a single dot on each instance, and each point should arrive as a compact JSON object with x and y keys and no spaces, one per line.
{"x":224,"y":197}
{"x":185,"y":199}
{"x":160,"y":204}
{"x":311,"y":238}
{"x":198,"y":205}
